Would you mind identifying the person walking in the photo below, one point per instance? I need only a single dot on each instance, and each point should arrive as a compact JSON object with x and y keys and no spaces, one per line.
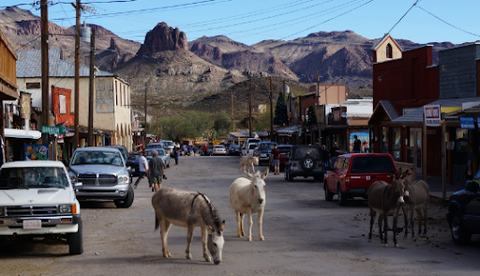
{"x":357,"y":144}
{"x":275,"y":158}
{"x":143,"y":169}
{"x":156,"y":171}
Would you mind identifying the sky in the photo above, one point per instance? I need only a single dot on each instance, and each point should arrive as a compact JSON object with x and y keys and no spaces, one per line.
{"x":251,"y":21}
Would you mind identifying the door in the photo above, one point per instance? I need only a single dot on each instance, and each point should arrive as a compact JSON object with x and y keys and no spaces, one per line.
{"x":415,"y":149}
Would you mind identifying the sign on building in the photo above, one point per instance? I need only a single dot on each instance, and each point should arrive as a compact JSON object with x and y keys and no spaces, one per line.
{"x":432,"y":115}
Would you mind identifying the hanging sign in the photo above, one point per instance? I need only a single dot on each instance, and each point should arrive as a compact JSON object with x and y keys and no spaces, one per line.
{"x":467,"y":123}
{"x":432,"y":115}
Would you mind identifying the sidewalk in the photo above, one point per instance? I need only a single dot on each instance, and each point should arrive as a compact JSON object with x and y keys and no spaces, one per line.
{"x":436,"y":189}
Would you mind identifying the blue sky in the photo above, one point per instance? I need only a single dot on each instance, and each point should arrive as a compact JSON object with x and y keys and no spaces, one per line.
{"x":251,"y":21}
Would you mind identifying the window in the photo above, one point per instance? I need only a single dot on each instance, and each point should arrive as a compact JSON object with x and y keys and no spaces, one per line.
{"x":33,"y":85}
{"x":388,"y":51}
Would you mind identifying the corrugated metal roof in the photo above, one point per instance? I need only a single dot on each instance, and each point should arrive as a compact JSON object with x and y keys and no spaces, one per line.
{"x":416,"y":116}
{"x":29,"y":65}
{"x":387,"y":106}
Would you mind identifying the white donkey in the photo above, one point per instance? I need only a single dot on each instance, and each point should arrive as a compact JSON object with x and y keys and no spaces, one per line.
{"x":246,"y":162}
{"x":248,"y":196}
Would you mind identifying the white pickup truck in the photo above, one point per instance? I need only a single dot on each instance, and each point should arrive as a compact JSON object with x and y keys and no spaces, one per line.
{"x":37,"y":199}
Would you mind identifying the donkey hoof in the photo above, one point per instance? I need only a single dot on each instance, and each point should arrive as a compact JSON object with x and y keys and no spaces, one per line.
{"x":249,"y":239}
{"x":262,"y":238}
{"x":167,"y":255}
{"x":189,"y":256}
{"x":385,"y":244}
{"x":207,"y":258}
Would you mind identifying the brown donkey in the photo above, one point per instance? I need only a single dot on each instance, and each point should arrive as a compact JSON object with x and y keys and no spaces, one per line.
{"x":384,"y":198}
{"x":417,"y":196}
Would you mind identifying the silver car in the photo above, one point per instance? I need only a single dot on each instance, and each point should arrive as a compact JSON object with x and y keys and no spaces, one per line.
{"x":162,"y":153}
{"x":104,"y":175}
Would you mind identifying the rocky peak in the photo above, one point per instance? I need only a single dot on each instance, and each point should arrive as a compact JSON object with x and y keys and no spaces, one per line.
{"x":163,"y":38}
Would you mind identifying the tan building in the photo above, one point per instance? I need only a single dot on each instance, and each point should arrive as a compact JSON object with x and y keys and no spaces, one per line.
{"x":112,"y":121}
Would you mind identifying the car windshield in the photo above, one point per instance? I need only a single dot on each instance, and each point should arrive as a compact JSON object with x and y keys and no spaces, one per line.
{"x":304,"y":151}
{"x":33,"y":178}
{"x":97,"y":157}
{"x":161,"y":152}
{"x":167,"y":143}
{"x":370,"y":164}
{"x":267,"y":146}
{"x":235,"y":146}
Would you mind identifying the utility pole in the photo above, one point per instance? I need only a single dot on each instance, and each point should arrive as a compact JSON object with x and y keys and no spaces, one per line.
{"x":45,"y":69}
{"x":77,"y":76}
{"x":250,"y":111}
{"x":91,"y":88}
{"x":318,"y":88}
{"x":271,"y":108}
{"x":145,"y":126}
{"x":233,"y":112}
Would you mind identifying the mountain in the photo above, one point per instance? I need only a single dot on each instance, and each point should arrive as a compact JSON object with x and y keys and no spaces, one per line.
{"x":204,"y":73}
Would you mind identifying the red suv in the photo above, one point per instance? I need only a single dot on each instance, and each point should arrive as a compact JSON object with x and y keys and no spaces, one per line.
{"x":353,"y":173}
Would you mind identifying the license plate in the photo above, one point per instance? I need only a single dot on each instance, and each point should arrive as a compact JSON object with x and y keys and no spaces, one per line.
{"x":32,"y":224}
{"x":133,"y":170}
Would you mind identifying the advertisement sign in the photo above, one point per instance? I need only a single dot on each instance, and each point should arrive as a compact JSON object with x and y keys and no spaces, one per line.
{"x":362,"y":136}
{"x":467,"y":123}
{"x":36,"y":152}
{"x":432,"y":115}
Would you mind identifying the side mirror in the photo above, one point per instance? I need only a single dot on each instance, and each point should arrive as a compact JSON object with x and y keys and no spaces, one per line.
{"x":472,"y":186}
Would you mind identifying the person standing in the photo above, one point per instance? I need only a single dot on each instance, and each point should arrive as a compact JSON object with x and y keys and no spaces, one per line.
{"x":275,"y":158}
{"x":333,"y":153}
{"x":143,"y":169}
{"x":357,"y":144}
{"x":156,"y":171}
{"x":176,"y":152}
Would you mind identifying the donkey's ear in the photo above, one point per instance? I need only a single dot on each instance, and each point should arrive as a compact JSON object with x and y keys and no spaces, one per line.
{"x":250,"y":176}
{"x":222,"y":226}
{"x":265,"y":173}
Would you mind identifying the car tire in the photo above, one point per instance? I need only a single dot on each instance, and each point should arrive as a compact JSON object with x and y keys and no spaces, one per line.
{"x":328,"y":194}
{"x":289,"y":177}
{"x":342,"y":198}
{"x":307,"y":163}
{"x":75,"y":240}
{"x":127,"y":201}
{"x":285,"y":176}
{"x":460,"y":235}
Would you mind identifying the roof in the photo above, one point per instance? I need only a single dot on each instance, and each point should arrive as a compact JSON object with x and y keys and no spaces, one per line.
{"x":388,"y":108}
{"x":288,"y":131}
{"x":416,"y":116}
{"x":40,"y":163}
{"x":383,"y":39}
{"x":29,"y":65}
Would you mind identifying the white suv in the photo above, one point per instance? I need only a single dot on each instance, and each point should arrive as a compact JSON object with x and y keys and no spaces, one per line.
{"x":38,"y":199}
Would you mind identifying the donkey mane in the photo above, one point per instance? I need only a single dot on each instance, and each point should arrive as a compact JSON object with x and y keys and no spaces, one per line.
{"x":213,"y":211}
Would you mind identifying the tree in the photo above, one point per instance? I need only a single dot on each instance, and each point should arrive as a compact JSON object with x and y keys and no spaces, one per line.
{"x":281,"y":117}
{"x":312,"y":117}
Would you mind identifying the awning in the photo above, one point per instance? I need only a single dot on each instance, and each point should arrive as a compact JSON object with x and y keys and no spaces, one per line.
{"x":288,"y":131}
{"x":22,"y":134}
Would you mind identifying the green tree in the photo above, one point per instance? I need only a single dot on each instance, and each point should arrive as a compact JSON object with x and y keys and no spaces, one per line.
{"x":281,"y":117}
{"x":312,"y":117}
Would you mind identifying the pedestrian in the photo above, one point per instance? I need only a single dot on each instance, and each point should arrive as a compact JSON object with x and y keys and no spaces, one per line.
{"x":156,"y":171}
{"x":357,"y":144}
{"x":325,"y":157}
{"x":205,"y":150}
{"x":469,"y":167}
{"x":176,"y":153}
{"x":333,"y":153}
{"x":143,"y":169}
{"x":275,"y":159}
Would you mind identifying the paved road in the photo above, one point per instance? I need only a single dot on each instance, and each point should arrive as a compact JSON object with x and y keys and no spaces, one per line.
{"x":305,"y":235}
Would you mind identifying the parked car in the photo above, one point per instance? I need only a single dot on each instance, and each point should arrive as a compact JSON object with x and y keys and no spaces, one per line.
{"x":248,"y":149}
{"x":234,"y":149}
{"x":353,"y":173}
{"x":124,"y":152}
{"x":37,"y":199}
{"x":167,"y":145}
{"x":209,"y":151}
{"x":284,"y":157}
{"x":104,"y":175}
{"x":162,"y":153}
{"x":304,"y":161}
{"x":219,"y":150}
{"x":464,"y":213}
{"x":132,"y":162}
{"x":263,"y":152}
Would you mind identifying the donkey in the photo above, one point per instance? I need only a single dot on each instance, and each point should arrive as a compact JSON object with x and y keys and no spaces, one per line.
{"x":248,"y":196}
{"x":384,"y":198}
{"x":417,"y":196}
{"x":189,"y":209}
{"x":246,"y":162}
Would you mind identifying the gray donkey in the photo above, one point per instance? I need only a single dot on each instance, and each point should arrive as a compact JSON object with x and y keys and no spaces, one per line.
{"x":189,"y":209}
{"x":384,"y":198}
{"x":417,"y":196}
